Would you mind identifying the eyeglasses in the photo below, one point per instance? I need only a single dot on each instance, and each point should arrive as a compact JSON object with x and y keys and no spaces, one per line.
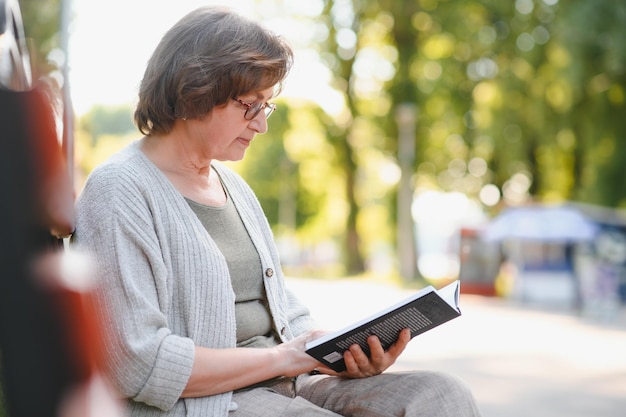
{"x":253,"y":109}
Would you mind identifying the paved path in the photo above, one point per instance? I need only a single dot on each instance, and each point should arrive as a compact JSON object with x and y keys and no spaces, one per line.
{"x":519,"y":361}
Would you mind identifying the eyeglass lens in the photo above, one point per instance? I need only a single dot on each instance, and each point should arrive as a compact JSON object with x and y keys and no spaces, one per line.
{"x":256,"y":107}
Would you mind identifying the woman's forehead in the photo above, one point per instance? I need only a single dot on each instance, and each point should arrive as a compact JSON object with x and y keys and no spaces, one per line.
{"x":264,"y":95}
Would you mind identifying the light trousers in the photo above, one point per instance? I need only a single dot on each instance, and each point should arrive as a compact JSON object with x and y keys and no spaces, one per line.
{"x":407,"y":394}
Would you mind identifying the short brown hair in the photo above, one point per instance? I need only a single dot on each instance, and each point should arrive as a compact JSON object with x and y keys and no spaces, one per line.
{"x":210,"y":56}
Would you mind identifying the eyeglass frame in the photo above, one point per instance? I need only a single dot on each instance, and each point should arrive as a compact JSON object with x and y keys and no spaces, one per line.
{"x":268,"y":108}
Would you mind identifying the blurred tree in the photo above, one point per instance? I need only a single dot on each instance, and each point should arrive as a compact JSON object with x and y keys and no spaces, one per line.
{"x":525,"y":95}
{"x":291,"y":169}
{"x":269,"y":171}
{"x":594,"y":68}
{"x":512,"y":103}
{"x":41,"y":26}
{"x":547,"y":93}
{"x":90,"y":154}
{"x":403,"y":98}
{"x":99,"y":133}
{"x":110,"y":120}
{"x":342,"y":19}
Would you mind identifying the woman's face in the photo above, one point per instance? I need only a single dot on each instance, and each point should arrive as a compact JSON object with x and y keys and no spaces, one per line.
{"x":224,"y":134}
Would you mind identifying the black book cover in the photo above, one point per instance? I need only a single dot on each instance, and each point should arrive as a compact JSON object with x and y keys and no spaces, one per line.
{"x":421,"y":312}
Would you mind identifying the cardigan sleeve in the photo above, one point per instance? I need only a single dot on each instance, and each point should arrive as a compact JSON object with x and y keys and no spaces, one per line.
{"x":147,"y":362}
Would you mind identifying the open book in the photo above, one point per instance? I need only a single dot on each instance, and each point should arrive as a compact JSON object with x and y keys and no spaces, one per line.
{"x":424,"y":310}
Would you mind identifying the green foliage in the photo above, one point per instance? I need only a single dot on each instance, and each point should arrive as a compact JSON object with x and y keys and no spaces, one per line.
{"x":592,"y":37}
{"x":41,"y":26}
{"x":100,"y":133}
{"x":527,"y":95}
{"x":267,"y":169}
{"x":107,"y":120}
{"x":289,"y":176}
{"x":532,"y":88}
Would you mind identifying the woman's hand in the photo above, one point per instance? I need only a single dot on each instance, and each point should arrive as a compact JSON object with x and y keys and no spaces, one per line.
{"x":359,"y":365}
{"x":216,"y":371}
{"x":292,"y":355}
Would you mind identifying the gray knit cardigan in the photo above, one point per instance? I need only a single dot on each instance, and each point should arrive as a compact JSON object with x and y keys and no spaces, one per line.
{"x":165,"y":284}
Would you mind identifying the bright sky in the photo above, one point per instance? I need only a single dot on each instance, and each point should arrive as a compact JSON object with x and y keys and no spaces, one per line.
{"x":111,"y":42}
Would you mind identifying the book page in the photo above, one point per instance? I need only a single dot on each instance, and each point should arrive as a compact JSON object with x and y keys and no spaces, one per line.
{"x":450,"y":294}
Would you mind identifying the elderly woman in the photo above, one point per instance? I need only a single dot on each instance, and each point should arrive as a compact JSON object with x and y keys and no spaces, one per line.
{"x":203,"y":324}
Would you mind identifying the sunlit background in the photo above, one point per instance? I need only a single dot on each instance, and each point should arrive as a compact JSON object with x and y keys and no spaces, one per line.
{"x":110,"y":44}
{"x":491,"y":100}
{"x":418,"y":142}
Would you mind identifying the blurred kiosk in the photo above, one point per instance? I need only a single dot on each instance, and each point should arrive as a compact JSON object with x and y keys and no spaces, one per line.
{"x":540,"y":241}
{"x":479,"y":264}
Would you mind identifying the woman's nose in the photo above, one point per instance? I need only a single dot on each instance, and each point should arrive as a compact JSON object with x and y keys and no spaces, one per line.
{"x":259,"y":123}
